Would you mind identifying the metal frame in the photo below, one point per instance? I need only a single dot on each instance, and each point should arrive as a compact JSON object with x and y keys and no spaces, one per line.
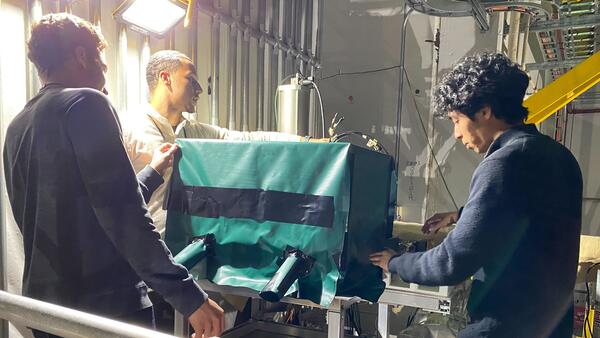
{"x":426,"y":300}
{"x":584,"y":21}
{"x":335,"y":313}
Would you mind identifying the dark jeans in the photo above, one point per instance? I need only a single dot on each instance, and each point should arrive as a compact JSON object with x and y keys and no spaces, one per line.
{"x":143,"y":318}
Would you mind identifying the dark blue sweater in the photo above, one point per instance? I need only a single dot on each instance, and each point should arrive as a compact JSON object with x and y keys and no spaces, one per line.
{"x":519,"y":230}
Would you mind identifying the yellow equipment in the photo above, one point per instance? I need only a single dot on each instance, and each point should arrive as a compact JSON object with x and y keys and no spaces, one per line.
{"x":563,"y":90}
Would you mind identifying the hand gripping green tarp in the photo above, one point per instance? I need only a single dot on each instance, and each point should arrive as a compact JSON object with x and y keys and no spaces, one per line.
{"x":331,"y":201}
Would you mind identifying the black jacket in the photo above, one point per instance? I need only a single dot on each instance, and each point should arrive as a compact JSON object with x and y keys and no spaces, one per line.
{"x":88,"y":238}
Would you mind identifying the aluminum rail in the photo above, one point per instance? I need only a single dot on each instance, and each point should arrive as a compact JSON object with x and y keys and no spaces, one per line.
{"x":67,"y":322}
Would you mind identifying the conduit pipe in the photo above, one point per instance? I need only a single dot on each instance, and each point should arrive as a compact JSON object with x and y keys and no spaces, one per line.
{"x":268,"y":68}
{"x":280,"y":37}
{"x":232,"y":69}
{"x":215,"y":46}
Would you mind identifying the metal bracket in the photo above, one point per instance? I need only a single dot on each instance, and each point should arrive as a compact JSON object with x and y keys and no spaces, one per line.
{"x":480,"y":15}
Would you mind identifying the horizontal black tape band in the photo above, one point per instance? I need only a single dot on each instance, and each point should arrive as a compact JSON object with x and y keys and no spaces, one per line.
{"x":256,"y":204}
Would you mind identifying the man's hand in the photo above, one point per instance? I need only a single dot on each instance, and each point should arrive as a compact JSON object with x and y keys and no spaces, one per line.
{"x":207,"y":321}
{"x":382,"y":258}
{"x":163,"y":157}
{"x":438,"y":221}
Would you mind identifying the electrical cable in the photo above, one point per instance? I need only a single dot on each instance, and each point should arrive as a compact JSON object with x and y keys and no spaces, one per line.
{"x":411,"y":317}
{"x":360,"y":72}
{"x":429,"y":143}
{"x":345,"y":134}
{"x":320,"y":106}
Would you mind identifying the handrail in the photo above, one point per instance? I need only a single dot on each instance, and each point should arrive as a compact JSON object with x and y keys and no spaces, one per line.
{"x":67,"y":322}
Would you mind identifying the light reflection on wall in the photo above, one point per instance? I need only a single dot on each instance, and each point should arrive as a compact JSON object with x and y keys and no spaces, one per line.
{"x":13,"y":96}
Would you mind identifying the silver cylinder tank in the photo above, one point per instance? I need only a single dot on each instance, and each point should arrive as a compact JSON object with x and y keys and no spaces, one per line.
{"x":293,"y":102}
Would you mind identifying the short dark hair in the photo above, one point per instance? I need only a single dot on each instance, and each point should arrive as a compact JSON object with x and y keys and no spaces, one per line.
{"x":164,"y":60}
{"x":54,"y":38}
{"x":484,"y":79}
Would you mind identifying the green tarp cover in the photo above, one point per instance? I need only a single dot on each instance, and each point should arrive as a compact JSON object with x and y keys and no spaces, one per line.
{"x":258,"y":198}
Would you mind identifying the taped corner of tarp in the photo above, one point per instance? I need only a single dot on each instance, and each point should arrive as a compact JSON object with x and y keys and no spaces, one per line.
{"x":329,"y":200}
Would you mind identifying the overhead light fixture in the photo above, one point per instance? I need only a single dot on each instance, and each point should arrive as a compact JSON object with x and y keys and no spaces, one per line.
{"x":152,"y":17}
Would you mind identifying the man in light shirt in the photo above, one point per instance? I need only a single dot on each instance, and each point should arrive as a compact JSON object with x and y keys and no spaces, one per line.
{"x":174,"y":89}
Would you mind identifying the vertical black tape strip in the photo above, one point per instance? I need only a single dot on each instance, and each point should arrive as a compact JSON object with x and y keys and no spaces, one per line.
{"x":256,"y":204}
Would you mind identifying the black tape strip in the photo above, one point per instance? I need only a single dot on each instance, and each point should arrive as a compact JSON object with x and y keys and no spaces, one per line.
{"x":256,"y":204}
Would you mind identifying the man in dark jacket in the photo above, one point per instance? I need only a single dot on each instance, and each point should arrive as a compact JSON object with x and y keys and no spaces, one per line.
{"x":88,"y":238}
{"x":518,"y":233}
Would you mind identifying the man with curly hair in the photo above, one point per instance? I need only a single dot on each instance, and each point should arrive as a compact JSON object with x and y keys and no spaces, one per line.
{"x":518,"y":233}
{"x":89,"y":241}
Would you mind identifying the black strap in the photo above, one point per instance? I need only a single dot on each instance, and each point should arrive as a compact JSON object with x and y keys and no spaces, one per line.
{"x":257,"y":204}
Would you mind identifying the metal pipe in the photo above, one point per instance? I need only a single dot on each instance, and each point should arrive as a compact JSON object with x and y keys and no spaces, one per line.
{"x":274,"y":78}
{"x":231,"y":120}
{"x":246,"y":83}
{"x":407,"y":11}
{"x":579,"y":11}
{"x":303,"y":25}
{"x":95,"y":10}
{"x":245,"y":70}
{"x":584,"y":111}
{"x":289,"y":37}
{"x":274,"y":41}
{"x":524,"y":38}
{"x":302,"y":34}
{"x":318,"y":34}
{"x":268,"y":87}
{"x":576,"y":5}
{"x":315,"y":9}
{"x":291,"y":22}
{"x":170,"y":40}
{"x":267,"y":69}
{"x":193,"y":47}
{"x":582,"y":34}
{"x":513,"y":36}
{"x":66,"y":322}
{"x":215,"y":45}
{"x":193,"y":40}
{"x":280,"y":38}
{"x":122,"y":66}
{"x":260,"y":64}
{"x":560,"y":52}
{"x":144,"y":57}
{"x":312,"y":114}
{"x":435,"y":63}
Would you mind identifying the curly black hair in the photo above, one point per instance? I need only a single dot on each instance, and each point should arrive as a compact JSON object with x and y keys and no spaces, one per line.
{"x":484,"y":79}
{"x":54,"y":37}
